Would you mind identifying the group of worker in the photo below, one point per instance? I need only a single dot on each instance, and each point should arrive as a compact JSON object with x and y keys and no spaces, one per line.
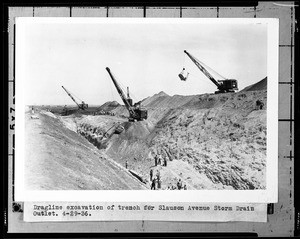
{"x":160,"y":161}
{"x":155,"y":181}
{"x":259,"y":105}
{"x":179,"y":186}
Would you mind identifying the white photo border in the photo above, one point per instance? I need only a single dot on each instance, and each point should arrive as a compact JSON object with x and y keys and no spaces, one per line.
{"x":269,"y":195}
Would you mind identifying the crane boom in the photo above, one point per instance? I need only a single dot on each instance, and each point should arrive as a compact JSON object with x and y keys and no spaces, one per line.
{"x":82,"y":106}
{"x":120,"y":91}
{"x":134,"y":112}
{"x":69,"y":94}
{"x":205,"y":72}
{"x":225,"y":85}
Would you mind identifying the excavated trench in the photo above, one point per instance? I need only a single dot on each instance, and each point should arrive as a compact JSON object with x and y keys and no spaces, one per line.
{"x":210,"y":142}
{"x":95,"y":135}
{"x":112,"y":137}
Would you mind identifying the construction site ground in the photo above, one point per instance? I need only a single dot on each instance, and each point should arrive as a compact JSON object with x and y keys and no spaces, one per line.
{"x":210,"y":141}
{"x":57,"y":158}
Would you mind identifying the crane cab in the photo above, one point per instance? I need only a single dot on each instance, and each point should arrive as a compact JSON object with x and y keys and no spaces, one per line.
{"x":228,"y":85}
{"x":140,"y":114}
{"x":143,"y":114}
{"x":83,"y":106}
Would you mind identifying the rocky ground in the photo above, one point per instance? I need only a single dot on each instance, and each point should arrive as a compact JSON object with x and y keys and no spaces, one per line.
{"x":210,"y":141}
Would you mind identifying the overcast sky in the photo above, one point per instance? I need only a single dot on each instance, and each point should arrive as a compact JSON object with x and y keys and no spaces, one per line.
{"x":146,"y":57}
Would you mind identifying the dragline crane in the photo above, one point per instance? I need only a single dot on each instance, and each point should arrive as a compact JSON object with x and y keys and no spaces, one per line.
{"x":81,"y":106}
{"x":135,"y":113}
{"x":224,"y":85}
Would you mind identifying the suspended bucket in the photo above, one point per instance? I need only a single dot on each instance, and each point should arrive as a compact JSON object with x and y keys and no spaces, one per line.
{"x":119,"y":129}
{"x":183,"y":75}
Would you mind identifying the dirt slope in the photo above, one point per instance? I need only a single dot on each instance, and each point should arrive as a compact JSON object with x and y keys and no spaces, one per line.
{"x":209,"y":141}
{"x":110,"y":105}
{"x":59,"y":158}
{"x":261,"y":85}
{"x":225,"y":144}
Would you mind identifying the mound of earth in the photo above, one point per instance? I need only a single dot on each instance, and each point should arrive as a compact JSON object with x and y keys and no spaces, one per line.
{"x":209,"y":141}
{"x":261,"y":85}
{"x":108,"y":106}
{"x":59,"y":158}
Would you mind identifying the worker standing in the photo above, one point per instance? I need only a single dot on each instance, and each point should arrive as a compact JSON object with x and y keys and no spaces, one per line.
{"x":165,"y":162}
{"x":179,"y":184}
{"x":153,"y":184}
{"x":158,"y":180}
{"x":158,"y":184}
{"x":158,"y":175}
{"x":151,"y":174}
{"x":126,"y":164}
{"x":155,"y":160}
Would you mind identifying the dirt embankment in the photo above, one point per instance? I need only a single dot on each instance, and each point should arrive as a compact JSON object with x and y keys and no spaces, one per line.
{"x":225,"y":143}
{"x":58,"y":158}
{"x":261,"y":85}
{"x":209,"y":141}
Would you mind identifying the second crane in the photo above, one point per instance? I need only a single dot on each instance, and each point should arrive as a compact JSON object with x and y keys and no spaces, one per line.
{"x":224,"y":85}
{"x":81,"y":106}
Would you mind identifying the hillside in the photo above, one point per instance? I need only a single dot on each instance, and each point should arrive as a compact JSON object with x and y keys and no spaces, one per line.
{"x":261,"y":85}
{"x":209,"y":141}
{"x":58,"y":158}
{"x":108,"y":106}
{"x":216,"y":139}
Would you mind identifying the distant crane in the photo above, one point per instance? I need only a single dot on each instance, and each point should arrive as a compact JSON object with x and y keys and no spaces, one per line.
{"x":81,"y":106}
{"x":136,"y":113}
{"x":224,"y":86}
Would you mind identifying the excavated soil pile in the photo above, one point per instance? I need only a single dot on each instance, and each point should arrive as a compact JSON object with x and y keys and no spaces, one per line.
{"x":108,"y":106}
{"x":114,"y":108}
{"x":261,"y":85}
{"x":225,"y":141}
{"x":58,"y":158}
{"x":209,"y":141}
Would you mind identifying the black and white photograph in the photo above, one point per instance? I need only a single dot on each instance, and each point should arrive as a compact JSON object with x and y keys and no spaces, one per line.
{"x":147,"y":109}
